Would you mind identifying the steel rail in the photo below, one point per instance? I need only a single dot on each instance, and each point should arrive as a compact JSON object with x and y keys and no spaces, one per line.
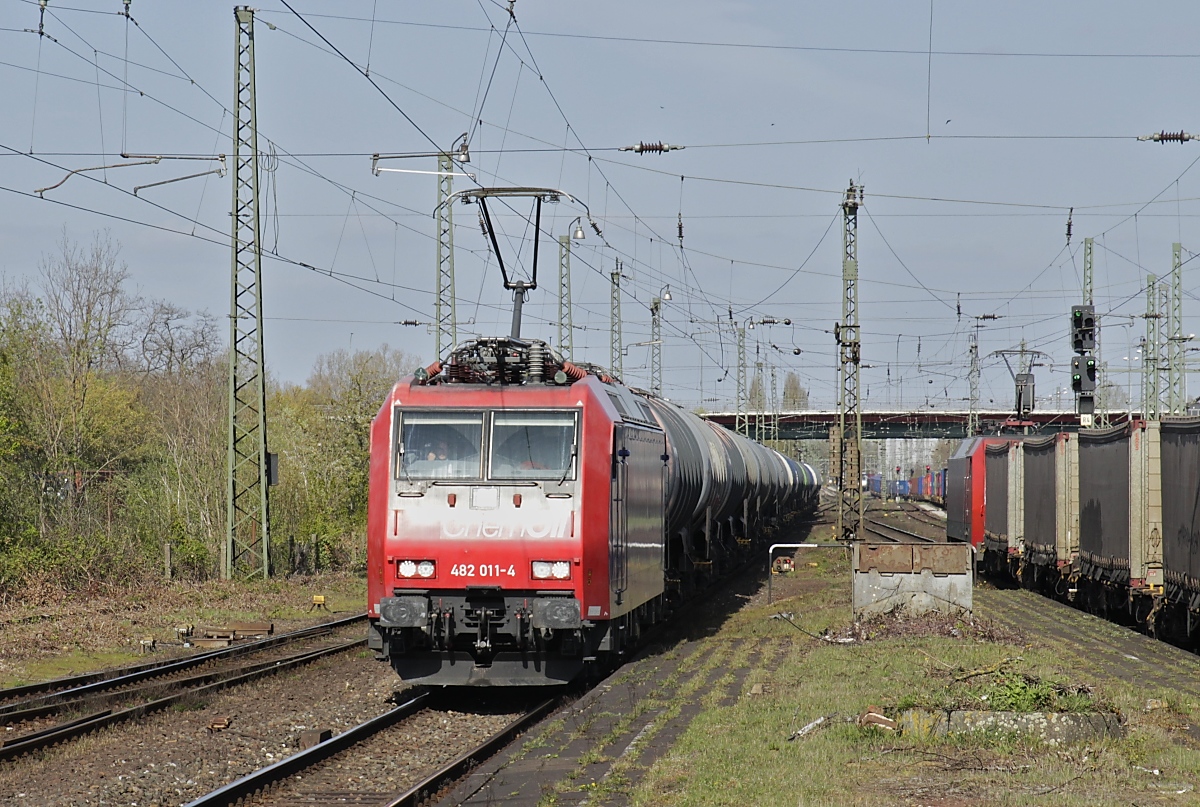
{"x":878,"y":528}
{"x":448,"y":775}
{"x":72,"y":686}
{"x":263,"y":778}
{"x":152,"y":688}
{"x":75,"y":728}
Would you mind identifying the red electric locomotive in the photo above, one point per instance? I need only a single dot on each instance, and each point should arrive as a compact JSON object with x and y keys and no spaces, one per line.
{"x":528,"y":517}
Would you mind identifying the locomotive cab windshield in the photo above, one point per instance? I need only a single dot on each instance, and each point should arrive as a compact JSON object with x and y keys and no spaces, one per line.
{"x":528,"y":445}
{"x":440,"y":445}
{"x":533,"y":445}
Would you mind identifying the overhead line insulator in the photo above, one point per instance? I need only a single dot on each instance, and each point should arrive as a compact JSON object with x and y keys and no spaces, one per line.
{"x":1168,"y":137}
{"x":652,"y":148}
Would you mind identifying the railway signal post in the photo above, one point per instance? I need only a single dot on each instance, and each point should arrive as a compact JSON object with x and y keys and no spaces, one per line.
{"x":1083,"y":364}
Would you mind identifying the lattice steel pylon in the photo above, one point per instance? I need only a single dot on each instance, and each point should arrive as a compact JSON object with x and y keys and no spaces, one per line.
{"x":973,"y":382}
{"x":1151,"y":409}
{"x":1162,"y":308}
{"x":742,"y":420}
{"x":656,"y":346}
{"x":445,"y":316}
{"x":1176,"y":391}
{"x":774,"y":432}
{"x":760,"y":414}
{"x":1102,"y":395}
{"x":850,"y":500}
{"x":247,"y":538}
{"x":614,"y":322}
{"x":1087,"y":271}
{"x":566,"y":328}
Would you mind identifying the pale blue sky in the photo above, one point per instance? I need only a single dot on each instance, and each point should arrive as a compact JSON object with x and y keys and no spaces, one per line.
{"x":1033,"y":109}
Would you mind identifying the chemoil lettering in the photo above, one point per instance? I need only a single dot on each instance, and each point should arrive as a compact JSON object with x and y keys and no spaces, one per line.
{"x":552,"y":527}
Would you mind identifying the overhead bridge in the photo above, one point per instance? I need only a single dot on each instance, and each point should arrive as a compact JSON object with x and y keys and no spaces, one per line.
{"x":879,"y":424}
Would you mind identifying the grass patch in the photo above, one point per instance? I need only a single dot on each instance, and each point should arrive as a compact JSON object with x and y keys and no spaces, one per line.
{"x":73,"y":632}
{"x":741,"y":753}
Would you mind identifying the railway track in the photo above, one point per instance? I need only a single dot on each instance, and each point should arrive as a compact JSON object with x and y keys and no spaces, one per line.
{"x":17,"y":697}
{"x":890,"y":532}
{"x":93,"y":701}
{"x":317,"y":775}
{"x":918,"y":513}
{"x":925,"y":528}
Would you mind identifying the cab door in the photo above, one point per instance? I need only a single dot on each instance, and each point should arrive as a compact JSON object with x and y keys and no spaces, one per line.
{"x":618,"y":538}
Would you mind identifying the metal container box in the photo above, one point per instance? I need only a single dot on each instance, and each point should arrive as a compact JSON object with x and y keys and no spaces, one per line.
{"x":1181,"y":509}
{"x":996,"y":497}
{"x":960,"y":494}
{"x":1051,"y":490}
{"x":1120,"y":505}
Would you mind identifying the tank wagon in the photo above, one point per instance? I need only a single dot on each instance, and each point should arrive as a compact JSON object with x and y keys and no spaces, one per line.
{"x":529,"y":517}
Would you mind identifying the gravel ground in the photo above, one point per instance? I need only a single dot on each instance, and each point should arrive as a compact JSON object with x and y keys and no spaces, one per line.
{"x":161,"y":686}
{"x":392,"y":761}
{"x":172,"y":757}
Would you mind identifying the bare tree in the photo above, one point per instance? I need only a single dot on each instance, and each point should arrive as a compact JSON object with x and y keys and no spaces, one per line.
{"x":795,"y":397}
{"x":170,"y":340}
{"x":81,"y":422}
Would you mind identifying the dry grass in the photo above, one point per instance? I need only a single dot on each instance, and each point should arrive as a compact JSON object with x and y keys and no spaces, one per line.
{"x":46,"y":633}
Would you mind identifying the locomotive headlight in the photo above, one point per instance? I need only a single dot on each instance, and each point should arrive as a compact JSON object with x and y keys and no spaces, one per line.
{"x":406,"y":568}
{"x":425,"y":568}
{"x":548,"y":569}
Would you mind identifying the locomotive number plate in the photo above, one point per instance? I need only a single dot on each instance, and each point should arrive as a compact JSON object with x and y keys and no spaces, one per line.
{"x":482,"y":570}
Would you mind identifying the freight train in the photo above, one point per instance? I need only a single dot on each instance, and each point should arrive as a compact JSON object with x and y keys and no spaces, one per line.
{"x":1106,"y":518}
{"x":927,"y":487}
{"x":529,"y":517}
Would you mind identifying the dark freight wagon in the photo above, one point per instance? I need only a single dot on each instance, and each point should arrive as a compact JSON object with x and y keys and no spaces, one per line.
{"x":1005,"y":498}
{"x":1106,"y":518}
{"x":1051,"y":493}
{"x":1181,"y":511}
{"x":1120,"y":508}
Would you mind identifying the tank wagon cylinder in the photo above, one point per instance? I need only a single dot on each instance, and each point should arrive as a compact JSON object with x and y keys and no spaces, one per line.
{"x":712,"y":471}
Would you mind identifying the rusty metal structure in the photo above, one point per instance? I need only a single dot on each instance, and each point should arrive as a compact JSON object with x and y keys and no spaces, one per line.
{"x":848,"y":437}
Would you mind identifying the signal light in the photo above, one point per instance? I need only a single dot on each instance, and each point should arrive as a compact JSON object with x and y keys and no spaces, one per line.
{"x":1083,"y":374}
{"x":1083,"y":328}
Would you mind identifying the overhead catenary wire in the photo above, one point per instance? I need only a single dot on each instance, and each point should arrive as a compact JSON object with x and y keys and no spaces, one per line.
{"x":643,"y":222}
{"x":990,"y":54}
